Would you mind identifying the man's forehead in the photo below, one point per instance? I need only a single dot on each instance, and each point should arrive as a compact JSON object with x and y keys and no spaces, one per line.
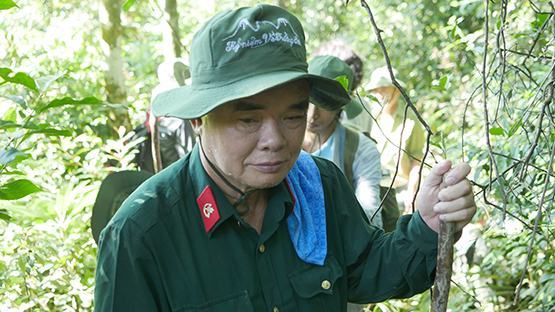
{"x":249,"y":104}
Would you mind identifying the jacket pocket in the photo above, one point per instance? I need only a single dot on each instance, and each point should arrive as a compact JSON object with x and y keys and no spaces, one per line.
{"x":234,"y":302}
{"x":315,"y":285}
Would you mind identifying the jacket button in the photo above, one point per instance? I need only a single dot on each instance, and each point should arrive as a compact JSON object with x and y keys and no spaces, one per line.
{"x":262,"y":248}
{"x":326,"y":284}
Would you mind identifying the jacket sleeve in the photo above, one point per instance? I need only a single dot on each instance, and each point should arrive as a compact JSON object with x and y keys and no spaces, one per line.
{"x":126,"y":278}
{"x":395,"y":265}
{"x":378,"y":265}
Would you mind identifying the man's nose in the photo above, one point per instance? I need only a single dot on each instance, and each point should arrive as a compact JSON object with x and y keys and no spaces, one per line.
{"x":272,"y":135}
{"x":313,"y":112}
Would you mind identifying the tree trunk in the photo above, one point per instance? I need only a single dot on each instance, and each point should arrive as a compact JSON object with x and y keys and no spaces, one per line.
{"x":115,"y":79}
{"x":171,"y":30}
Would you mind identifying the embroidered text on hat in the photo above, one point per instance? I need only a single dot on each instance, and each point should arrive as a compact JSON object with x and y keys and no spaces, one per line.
{"x":208,"y":208}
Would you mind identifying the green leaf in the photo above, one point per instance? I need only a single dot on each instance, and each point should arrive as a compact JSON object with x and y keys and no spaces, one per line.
{"x":50,"y":132}
{"x":441,"y":84}
{"x":7,"y":4}
{"x":372,"y":98}
{"x":69,"y":101}
{"x":10,"y":115}
{"x":515,"y":128}
{"x":7,"y":124}
{"x":344,"y":81}
{"x":17,"y":189}
{"x":496,"y":131}
{"x":26,"y":80}
{"x":13,"y":172}
{"x":4,"y":215}
{"x":9,"y":155}
{"x":540,"y":19}
{"x":19,"y":78}
{"x":127,"y":5}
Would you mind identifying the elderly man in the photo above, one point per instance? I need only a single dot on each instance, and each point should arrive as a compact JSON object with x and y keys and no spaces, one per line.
{"x":245,"y":222}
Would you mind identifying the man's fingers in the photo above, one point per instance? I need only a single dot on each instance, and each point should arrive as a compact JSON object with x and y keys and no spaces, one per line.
{"x":463,"y":215}
{"x":444,"y":207}
{"x":456,"y":174}
{"x":461,"y":209}
{"x":453,"y":192}
{"x":435,"y":177}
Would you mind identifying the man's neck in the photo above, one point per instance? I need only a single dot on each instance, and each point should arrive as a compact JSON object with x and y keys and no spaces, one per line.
{"x":313,"y":141}
{"x":391,"y":107}
{"x":252,"y":209}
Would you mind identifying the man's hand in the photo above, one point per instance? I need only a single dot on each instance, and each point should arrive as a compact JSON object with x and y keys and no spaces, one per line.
{"x":446,"y":194}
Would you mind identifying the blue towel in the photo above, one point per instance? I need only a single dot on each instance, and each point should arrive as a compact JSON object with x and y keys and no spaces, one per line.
{"x":307,"y":222}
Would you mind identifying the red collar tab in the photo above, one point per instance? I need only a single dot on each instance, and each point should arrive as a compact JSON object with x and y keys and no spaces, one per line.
{"x":208,"y":208}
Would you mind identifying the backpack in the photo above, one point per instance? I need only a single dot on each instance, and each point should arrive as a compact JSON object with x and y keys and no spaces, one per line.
{"x":390,"y":208}
{"x":176,"y":140}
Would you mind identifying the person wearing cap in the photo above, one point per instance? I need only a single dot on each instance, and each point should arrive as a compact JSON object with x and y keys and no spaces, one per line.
{"x":326,"y":137}
{"x":387,"y":133}
{"x":248,"y":222}
{"x":339,"y":48}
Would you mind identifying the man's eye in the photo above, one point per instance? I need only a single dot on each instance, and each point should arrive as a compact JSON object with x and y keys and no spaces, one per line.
{"x":247,"y":120}
{"x":294,"y":121}
{"x":295,"y":117}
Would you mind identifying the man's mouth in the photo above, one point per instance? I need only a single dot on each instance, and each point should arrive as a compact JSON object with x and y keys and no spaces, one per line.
{"x":269,"y":166}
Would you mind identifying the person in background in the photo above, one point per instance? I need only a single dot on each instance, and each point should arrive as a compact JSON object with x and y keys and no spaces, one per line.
{"x":175,"y":135}
{"x":247,"y":221}
{"x":387,"y":133}
{"x":356,"y":117}
{"x":353,"y":152}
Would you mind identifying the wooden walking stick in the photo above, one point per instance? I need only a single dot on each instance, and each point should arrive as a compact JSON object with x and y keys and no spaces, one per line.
{"x":440,"y":291}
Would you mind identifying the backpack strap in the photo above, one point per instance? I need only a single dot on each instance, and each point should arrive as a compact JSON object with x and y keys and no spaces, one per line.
{"x":351,"y":146}
{"x":390,"y":209}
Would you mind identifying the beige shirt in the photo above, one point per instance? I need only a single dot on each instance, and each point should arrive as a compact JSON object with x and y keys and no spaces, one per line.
{"x":387,"y":134}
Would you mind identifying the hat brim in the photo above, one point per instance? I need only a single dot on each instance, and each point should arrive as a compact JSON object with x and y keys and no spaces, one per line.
{"x":353,"y":108}
{"x":190,"y":102}
{"x":375,"y":85}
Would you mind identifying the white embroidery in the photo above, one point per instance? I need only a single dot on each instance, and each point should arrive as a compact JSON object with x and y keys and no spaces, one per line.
{"x":207,"y":209}
{"x":264,"y":37}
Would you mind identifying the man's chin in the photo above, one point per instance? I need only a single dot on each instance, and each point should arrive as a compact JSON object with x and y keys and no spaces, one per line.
{"x":269,"y":182}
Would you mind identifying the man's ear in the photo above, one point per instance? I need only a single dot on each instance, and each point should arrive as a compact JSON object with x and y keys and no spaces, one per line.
{"x":197,"y":125}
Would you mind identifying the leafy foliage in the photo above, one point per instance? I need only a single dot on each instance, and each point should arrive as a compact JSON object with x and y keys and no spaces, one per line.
{"x":57,"y":142}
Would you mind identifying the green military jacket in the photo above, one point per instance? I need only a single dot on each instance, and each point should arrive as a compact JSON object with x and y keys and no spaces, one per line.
{"x":160,"y":252}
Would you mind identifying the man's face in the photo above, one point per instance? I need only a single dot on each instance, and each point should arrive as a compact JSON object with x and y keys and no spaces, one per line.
{"x":321,"y":121}
{"x":255,"y":141}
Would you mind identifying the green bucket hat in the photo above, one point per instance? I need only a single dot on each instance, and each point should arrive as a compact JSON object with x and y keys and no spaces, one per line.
{"x":381,"y":78}
{"x":334,"y":68}
{"x":243,"y":52}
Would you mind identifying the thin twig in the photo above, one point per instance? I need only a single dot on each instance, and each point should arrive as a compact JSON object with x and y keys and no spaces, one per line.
{"x":535,"y":230}
{"x":547,"y":176}
{"x":537,"y":38}
{"x":464,"y":120}
{"x":536,"y":137}
{"x":408,"y":102}
{"x":492,"y":161}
